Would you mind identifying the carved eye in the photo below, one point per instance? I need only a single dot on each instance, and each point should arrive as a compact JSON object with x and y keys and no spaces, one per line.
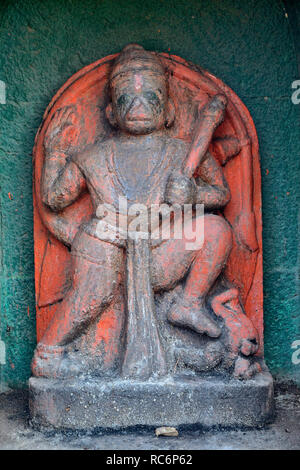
{"x":123,"y":100}
{"x":151,"y":96}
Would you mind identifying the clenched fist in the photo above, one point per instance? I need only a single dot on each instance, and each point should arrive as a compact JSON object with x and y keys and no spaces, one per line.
{"x":180,"y":189}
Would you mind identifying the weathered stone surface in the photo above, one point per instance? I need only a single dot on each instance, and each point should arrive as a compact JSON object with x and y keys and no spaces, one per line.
{"x":129,"y":328}
{"x":163,"y":143}
{"x":53,"y":40}
{"x":206,"y":402}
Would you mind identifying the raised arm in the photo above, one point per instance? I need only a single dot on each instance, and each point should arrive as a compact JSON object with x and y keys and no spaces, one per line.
{"x":212,"y":189}
{"x":62,"y":180}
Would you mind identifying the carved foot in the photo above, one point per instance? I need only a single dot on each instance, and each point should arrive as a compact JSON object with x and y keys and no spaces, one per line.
{"x":46,"y":360}
{"x":53,"y":362}
{"x":195,"y":317}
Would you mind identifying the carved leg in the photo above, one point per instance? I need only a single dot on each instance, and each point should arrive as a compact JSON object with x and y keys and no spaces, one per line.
{"x":211,"y":259}
{"x":95,"y":280}
{"x":172,"y":261}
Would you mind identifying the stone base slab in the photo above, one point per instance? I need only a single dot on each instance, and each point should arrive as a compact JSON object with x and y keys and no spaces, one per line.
{"x":90,"y":404}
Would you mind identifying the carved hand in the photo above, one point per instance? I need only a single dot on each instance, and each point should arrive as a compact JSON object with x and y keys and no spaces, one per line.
{"x":180,"y":189}
{"x":61,"y":132}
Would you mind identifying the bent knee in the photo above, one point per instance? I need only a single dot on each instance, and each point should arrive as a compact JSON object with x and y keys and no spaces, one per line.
{"x":217,"y":227}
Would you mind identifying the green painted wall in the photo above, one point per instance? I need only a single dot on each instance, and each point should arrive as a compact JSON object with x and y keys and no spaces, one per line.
{"x":247,"y":44}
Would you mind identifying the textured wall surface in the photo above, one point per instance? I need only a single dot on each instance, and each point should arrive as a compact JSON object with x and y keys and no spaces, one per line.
{"x":249,"y":45}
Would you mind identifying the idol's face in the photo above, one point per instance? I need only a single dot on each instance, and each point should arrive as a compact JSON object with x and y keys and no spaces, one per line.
{"x":139,"y":101}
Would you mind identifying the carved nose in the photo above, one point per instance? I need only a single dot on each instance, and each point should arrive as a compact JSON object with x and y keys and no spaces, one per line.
{"x":137,"y":110}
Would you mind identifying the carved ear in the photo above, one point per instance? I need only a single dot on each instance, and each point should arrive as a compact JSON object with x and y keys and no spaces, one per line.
{"x":110,"y":115}
{"x":170,"y":114}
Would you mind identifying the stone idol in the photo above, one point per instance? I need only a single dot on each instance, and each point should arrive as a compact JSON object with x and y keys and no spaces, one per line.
{"x":148,"y":251}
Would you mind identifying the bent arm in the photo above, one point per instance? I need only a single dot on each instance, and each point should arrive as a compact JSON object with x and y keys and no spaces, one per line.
{"x":212,"y":188}
{"x":62,"y":181}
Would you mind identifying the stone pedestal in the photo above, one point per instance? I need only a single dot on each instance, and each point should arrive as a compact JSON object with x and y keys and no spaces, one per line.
{"x":91,"y":404}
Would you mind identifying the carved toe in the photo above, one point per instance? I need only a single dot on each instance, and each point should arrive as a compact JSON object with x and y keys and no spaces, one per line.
{"x":195,"y":319}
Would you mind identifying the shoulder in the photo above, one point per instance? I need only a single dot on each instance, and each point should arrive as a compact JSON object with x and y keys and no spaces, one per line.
{"x":179,"y":148}
{"x":94,"y":152}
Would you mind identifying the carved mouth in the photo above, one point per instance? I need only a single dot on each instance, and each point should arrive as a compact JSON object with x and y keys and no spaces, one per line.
{"x":138,"y":119}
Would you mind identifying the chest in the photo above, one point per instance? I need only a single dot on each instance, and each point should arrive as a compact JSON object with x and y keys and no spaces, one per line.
{"x":136,"y":171}
{"x":139,"y":167}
